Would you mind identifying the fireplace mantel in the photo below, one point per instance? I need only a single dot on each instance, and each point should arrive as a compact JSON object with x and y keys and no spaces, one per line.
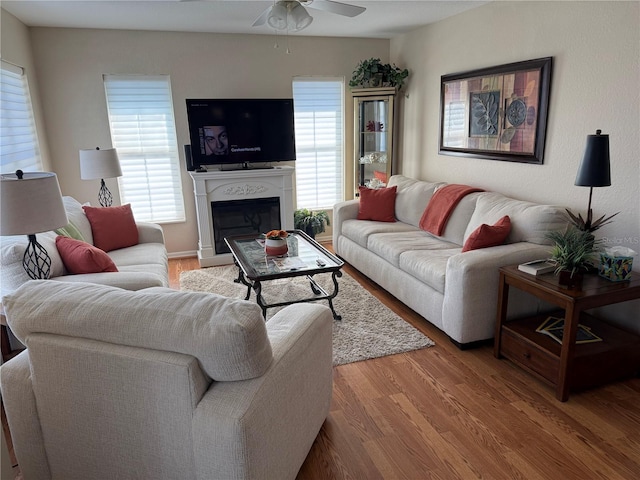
{"x":218,"y":186}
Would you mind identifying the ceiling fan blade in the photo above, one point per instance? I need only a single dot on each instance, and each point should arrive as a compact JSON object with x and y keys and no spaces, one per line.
{"x":262,"y":19}
{"x":335,"y":7}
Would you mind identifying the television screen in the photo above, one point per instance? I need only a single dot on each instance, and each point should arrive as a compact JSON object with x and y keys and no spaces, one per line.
{"x":241,"y":131}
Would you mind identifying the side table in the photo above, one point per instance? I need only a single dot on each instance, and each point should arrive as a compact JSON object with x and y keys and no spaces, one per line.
{"x":567,"y":366}
{"x":5,"y":344}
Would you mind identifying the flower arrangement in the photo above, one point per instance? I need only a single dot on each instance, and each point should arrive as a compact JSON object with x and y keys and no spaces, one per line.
{"x":276,"y":235}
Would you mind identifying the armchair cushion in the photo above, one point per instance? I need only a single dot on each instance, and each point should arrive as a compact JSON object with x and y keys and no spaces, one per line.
{"x":227,"y":336}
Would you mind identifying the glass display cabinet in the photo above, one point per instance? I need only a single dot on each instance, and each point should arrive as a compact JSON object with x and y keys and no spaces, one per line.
{"x":373,"y":116}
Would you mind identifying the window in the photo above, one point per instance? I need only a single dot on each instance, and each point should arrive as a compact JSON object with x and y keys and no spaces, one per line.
{"x":318,"y":112}
{"x":143,"y":132}
{"x":18,"y":140}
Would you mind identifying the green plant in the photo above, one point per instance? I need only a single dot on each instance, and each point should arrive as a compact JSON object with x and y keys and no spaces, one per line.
{"x":574,"y":250}
{"x":372,"y":73}
{"x":310,"y":222}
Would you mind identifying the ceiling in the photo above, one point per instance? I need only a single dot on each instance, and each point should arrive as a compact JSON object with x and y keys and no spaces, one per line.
{"x":382,"y":19}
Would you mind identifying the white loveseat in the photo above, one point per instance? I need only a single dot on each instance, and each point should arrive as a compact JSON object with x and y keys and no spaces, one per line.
{"x":455,"y":291}
{"x":161,"y":384}
{"x":139,"y":266}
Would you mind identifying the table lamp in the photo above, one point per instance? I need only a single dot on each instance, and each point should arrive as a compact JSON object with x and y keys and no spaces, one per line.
{"x":594,"y":171}
{"x":31,"y":203}
{"x":100,"y":164}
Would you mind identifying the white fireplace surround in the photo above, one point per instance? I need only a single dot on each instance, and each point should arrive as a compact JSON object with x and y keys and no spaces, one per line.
{"x":217,"y":186}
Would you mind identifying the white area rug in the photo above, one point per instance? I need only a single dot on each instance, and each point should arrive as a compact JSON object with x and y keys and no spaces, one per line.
{"x":368,"y":329}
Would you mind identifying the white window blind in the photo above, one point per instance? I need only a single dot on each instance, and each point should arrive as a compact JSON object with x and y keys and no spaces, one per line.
{"x":319,"y":113}
{"x":18,"y":140}
{"x":143,"y":132}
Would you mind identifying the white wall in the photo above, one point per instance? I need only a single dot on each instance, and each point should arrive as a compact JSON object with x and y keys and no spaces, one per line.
{"x":71,"y":63}
{"x":15,"y":48}
{"x":595,"y":85}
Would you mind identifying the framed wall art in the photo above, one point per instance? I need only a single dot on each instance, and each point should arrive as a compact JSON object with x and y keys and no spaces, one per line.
{"x":498,"y":113}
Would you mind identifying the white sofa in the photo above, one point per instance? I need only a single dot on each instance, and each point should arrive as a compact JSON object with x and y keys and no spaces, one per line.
{"x":161,"y":384}
{"x":139,"y":266}
{"x":455,"y":291}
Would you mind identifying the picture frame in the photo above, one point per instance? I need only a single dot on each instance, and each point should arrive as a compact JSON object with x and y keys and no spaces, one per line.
{"x":497,"y":113}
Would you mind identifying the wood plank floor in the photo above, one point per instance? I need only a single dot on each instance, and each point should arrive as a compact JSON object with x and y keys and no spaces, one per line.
{"x":442,"y":413}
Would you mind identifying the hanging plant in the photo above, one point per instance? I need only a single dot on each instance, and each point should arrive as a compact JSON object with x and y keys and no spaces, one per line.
{"x":371,"y":73}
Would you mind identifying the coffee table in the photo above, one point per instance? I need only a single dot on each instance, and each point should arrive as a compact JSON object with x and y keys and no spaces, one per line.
{"x":305,"y":257}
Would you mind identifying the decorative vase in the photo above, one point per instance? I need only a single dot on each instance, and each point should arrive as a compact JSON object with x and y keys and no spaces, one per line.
{"x":275,"y":246}
{"x":566,"y":279}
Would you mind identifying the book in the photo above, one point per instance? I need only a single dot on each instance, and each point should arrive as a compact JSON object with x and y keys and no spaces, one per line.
{"x":554,"y":328}
{"x":537,"y":267}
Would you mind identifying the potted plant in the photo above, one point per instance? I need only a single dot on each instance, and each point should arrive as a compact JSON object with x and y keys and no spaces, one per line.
{"x":310,"y":222}
{"x":275,"y":242}
{"x":574,"y":253}
{"x":372,"y":73}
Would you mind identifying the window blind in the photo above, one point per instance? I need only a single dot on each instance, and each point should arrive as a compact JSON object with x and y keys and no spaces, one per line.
{"x":143,"y":132}
{"x":18,"y":139}
{"x":319,"y":117}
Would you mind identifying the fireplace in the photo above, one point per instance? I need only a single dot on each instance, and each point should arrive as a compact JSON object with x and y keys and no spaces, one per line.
{"x":225,"y":198}
{"x":243,"y":217}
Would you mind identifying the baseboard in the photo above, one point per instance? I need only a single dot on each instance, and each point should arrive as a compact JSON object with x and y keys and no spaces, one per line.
{"x":187,"y":254}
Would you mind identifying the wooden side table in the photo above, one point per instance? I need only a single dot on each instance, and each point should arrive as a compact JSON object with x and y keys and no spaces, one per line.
{"x":567,"y":366}
{"x":5,"y":344}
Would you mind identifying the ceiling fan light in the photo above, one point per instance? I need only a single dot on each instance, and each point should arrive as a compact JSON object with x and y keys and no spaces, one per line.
{"x":299,"y":18}
{"x":278,"y":16}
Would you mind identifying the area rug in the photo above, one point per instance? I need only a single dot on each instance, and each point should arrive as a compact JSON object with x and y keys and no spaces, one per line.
{"x":368,"y":329}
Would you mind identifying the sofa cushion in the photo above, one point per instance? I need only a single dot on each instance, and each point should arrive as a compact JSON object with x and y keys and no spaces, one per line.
{"x":391,"y":246}
{"x":530,"y":222}
{"x":112,"y":227}
{"x":227,"y":336}
{"x":139,"y":255}
{"x":459,"y":219}
{"x":428,"y":266}
{"x":82,"y":257}
{"x":76,"y":215}
{"x":488,"y":235}
{"x":412,"y":197}
{"x":377,"y":204}
{"x":360,"y":230}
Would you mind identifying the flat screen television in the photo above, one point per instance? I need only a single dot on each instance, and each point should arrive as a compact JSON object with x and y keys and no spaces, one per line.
{"x":240,"y":131}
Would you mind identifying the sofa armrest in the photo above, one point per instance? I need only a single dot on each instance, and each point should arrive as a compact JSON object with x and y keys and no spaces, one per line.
{"x":342,"y":211}
{"x":150,"y":233}
{"x":22,"y":416}
{"x":126,"y":280}
{"x":471,"y":292}
{"x":242,"y":429}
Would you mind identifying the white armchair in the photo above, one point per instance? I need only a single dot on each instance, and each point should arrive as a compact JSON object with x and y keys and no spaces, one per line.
{"x":159,"y":384}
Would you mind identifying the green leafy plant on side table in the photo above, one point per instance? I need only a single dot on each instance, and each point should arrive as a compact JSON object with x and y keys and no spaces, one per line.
{"x":371,"y":73}
{"x":574,"y":253}
{"x":310,"y":222}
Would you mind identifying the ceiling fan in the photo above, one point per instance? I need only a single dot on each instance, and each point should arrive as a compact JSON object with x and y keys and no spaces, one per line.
{"x":292,"y":16}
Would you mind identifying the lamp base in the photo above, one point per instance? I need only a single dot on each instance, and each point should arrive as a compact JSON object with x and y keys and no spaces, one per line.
{"x":104,"y":196}
{"x":36,"y":260}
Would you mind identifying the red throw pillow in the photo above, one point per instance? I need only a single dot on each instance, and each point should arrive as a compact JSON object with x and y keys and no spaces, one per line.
{"x":82,"y":257}
{"x":488,"y":235}
{"x":112,"y":227}
{"x":377,"y":204}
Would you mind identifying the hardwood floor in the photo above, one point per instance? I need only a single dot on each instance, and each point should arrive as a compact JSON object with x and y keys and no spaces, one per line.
{"x":442,"y":413}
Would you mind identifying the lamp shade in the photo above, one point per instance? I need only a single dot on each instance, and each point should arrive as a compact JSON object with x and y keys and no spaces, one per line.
{"x":98,"y":163}
{"x":595,"y":169}
{"x":32,"y":204}
{"x":299,"y":18}
{"x":278,"y":16}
